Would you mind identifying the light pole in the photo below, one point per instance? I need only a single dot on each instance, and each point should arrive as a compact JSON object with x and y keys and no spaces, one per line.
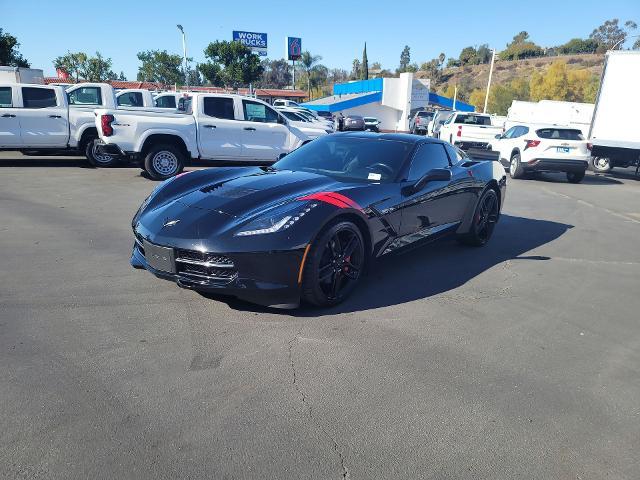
{"x":486,"y":97}
{"x":184,"y":54}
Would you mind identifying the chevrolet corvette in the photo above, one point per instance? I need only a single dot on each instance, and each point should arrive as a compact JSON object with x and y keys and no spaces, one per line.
{"x":305,"y":228}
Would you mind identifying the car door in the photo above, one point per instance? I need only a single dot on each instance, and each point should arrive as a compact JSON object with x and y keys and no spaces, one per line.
{"x":219,"y":133}
{"x":432,"y":208}
{"x":9,"y":121}
{"x":264,"y":133}
{"x":43,"y":118}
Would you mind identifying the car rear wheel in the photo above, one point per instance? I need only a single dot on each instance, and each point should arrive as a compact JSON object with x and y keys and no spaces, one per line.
{"x":96,"y":159}
{"x":575,"y":177}
{"x":334,"y":265}
{"x":485,"y":218}
{"x":163,"y":161}
{"x":515,"y":167}
{"x":601,"y":164}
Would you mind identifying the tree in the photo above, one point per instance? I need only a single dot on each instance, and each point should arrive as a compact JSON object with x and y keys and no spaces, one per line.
{"x":483,"y":54}
{"x":98,"y":69}
{"x":355,"y":69}
{"x":441,"y":59}
{"x":553,"y":85}
{"x":307,"y":62}
{"x":364,"y":68}
{"x":276,"y":73}
{"x":636,"y":45}
{"x":337,"y":75}
{"x":231,"y":64}
{"x":9,"y":54}
{"x":521,"y":47}
{"x":405,"y":59}
{"x":578,"y":46}
{"x":194,"y":78}
{"x":467,"y":56}
{"x":159,"y":66}
{"x":376,"y":66}
{"x":318,"y":76}
{"x":122,"y":77}
{"x":75,"y":64}
{"x":452,"y":62}
{"x":610,"y":34}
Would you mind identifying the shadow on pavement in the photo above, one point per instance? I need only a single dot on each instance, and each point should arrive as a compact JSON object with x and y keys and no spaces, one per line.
{"x":436,"y":268}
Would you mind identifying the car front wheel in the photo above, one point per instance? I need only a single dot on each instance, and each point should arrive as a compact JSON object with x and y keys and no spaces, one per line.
{"x":163,"y":161}
{"x":515,"y":167}
{"x":601,"y":164}
{"x":334,"y":265}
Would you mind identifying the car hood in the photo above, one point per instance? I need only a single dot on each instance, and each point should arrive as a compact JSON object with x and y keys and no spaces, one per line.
{"x":256,"y":191}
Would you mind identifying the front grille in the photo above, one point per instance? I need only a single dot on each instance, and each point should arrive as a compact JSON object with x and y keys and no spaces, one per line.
{"x":204,"y":265}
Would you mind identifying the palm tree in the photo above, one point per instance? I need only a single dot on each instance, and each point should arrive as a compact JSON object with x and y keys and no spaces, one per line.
{"x":308,"y":61}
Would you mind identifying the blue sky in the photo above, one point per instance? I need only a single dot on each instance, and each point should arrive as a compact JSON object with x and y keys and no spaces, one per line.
{"x":336,"y":30}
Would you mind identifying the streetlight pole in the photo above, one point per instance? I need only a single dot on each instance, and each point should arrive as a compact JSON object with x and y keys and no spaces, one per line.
{"x":486,"y":97}
{"x":184,"y":54}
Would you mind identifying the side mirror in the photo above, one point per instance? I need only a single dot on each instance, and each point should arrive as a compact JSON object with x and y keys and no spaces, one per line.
{"x":281,"y":120}
{"x":498,"y":136}
{"x":435,"y":175}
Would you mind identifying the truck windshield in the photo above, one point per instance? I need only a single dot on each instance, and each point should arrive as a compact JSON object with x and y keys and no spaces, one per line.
{"x":473,"y":120}
{"x":349,"y":158}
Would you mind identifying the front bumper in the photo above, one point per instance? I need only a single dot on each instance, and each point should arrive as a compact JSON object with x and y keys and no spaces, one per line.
{"x":555,"y":165}
{"x":265,"y":278}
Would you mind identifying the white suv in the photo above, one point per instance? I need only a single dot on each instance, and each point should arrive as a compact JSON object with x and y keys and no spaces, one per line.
{"x":525,"y":148}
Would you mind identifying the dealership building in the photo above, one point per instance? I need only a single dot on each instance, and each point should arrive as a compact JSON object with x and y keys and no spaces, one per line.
{"x":390,"y":100}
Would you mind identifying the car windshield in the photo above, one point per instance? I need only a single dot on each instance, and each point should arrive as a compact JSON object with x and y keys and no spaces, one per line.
{"x":349,"y":158}
{"x":425,"y":114}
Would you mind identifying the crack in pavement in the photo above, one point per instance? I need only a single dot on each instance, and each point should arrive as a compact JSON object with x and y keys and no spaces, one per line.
{"x":296,"y":384}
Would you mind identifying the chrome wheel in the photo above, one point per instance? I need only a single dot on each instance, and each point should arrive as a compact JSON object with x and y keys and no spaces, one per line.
{"x":601,"y":164}
{"x":513,"y":166}
{"x":100,"y":158}
{"x":165,"y":163}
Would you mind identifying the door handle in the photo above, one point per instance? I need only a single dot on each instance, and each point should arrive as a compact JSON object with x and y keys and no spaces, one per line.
{"x":251,"y":129}
{"x":8,"y":115}
{"x":209,"y":126}
{"x":55,"y":116}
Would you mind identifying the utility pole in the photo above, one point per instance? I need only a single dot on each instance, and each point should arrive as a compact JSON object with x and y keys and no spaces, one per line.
{"x":455,"y":96}
{"x":184,"y":54}
{"x":486,"y":97}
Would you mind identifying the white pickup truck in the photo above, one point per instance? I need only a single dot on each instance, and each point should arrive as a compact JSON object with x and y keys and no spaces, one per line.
{"x":469,"y":130}
{"x":215,"y":127}
{"x":47,"y":118}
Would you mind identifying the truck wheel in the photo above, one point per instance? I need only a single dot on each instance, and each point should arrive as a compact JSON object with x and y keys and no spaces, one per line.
{"x":96,"y":159}
{"x":601,"y":164}
{"x":163,"y":161}
{"x":575,"y":177}
{"x":515,"y":167}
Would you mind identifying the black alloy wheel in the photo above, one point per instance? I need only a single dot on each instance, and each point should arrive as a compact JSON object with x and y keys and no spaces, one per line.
{"x":484,"y":220}
{"x":335,"y":265}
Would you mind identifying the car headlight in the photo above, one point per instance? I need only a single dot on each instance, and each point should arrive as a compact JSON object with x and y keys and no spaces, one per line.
{"x":280,"y":218}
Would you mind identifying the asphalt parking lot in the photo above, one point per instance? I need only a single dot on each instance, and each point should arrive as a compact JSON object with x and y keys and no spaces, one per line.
{"x":518,"y":360}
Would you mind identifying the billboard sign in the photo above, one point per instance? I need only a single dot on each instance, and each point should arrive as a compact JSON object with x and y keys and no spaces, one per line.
{"x":257,"y":42}
{"x":420,"y":92}
{"x":294,"y":48}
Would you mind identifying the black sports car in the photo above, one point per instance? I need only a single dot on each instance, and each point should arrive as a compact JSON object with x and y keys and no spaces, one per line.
{"x":307,"y":227}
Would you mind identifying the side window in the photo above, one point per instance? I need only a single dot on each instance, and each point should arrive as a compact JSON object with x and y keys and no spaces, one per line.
{"x":166,"y":101}
{"x":85,"y":96}
{"x":510,"y":133}
{"x":219,"y":107}
{"x":523,"y":131}
{"x":5,"y":97}
{"x":131,"y":99}
{"x":455,"y":154}
{"x":428,"y":157}
{"x":258,"y":112}
{"x":38,"y":97}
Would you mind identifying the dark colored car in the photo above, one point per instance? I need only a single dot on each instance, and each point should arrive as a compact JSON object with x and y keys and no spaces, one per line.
{"x":353,"y":123}
{"x":308,"y":226}
{"x":326,"y":115}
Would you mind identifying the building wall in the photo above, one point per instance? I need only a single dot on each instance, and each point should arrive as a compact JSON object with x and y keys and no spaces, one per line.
{"x":389,"y":117}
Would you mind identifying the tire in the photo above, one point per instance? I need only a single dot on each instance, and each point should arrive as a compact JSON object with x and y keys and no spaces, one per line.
{"x":575,"y":177}
{"x":515,"y":167}
{"x":163,"y":161}
{"x":601,"y":164}
{"x":99,"y":161}
{"x":484,"y":221}
{"x":331,"y":273}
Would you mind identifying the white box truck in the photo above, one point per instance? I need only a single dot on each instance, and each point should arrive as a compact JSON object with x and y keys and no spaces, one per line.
{"x":551,"y":112}
{"x":614,"y":133}
{"x":21,"y":75}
